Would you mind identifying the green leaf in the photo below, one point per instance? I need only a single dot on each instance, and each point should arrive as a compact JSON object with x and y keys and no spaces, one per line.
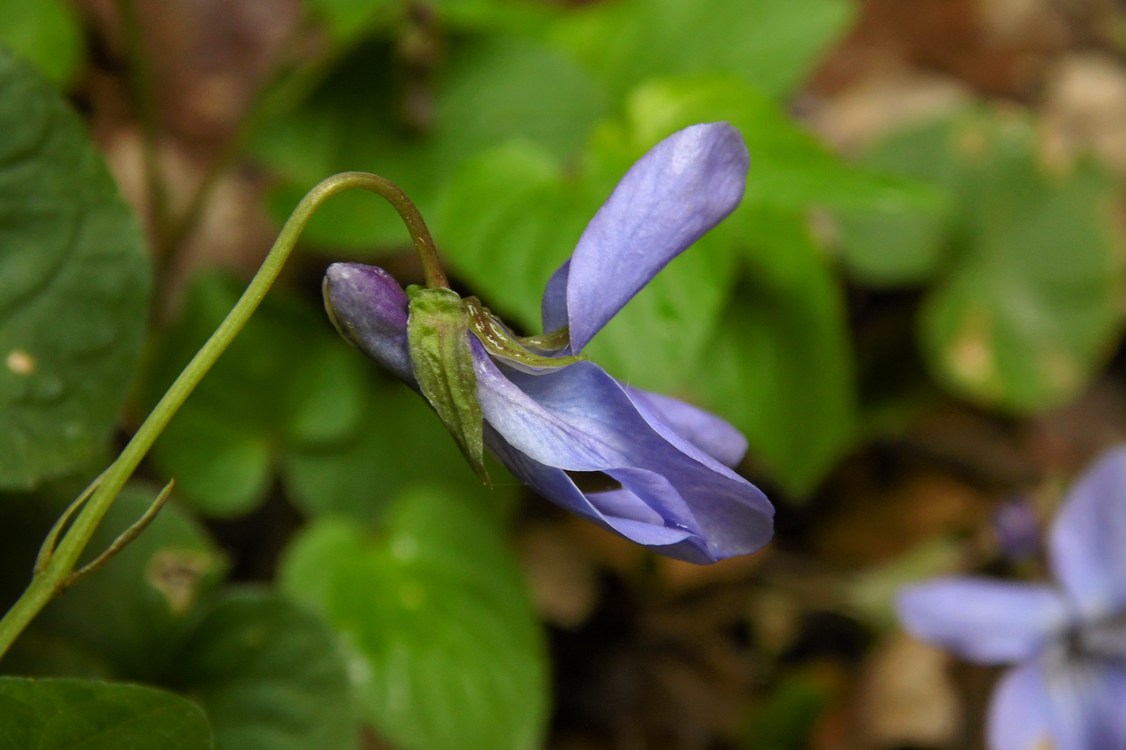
{"x":349,"y":19}
{"x":438,"y":337}
{"x":122,"y":620}
{"x":508,"y":221}
{"x":269,"y":674}
{"x":435,"y":610}
{"x":402,"y":444}
{"x":286,"y":381}
{"x":64,"y":714}
{"x":1025,"y":261}
{"x":490,"y":89}
{"x":790,"y":168}
{"x":74,"y":285}
{"x":904,"y":244}
{"x":780,"y":367}
{"x":770,"y":45}
{"x":46,"y":33}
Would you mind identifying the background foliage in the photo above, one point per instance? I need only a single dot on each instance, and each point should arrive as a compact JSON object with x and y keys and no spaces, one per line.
{"x":892,"y":321}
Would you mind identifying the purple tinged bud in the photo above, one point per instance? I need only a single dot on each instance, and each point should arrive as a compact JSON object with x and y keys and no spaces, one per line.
{"x":369,"y":309}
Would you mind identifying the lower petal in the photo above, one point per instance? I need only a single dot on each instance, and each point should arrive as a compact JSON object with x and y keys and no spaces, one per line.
{"x":1019,"y":714}
{"x":620,"y":511}
{"x":581,"y":419}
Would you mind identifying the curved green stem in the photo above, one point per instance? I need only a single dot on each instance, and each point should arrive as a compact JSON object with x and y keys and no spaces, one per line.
{"x":54,"y":568}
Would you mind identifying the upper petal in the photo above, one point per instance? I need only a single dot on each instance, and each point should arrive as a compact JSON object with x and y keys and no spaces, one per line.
{"x":981,"y":619}
{"x":680,"y":189}
{"x":1020,"y":711}
{"x":1087,"y":541}
{"x":369,"y":309}
{"x":580,"y":419}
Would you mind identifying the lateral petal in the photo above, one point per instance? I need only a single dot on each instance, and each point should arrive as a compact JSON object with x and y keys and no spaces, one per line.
{"x":1086,"y":541}
{"x":706,"y":431}
{"x":983,"y":620}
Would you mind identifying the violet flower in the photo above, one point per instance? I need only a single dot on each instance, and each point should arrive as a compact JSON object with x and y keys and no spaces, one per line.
{"x":550,"y":415}
{"x":1068,"y":641}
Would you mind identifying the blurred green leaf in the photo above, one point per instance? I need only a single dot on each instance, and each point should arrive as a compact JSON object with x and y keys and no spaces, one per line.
{"x":788,"y":718}
{"x":1026,"y":262}
{"x":790,"y":168}
{"x":770,"y":45}
{"x":490,"y":88}
{"x":74,"y":285}
{"x":508,"y":221}
{"x":64,"y":714}
{"x":348,"y":19}
{"x":904,"y":244}
{"x":121,"y":621}
{"x":269,"y":675}
{"x":435,"y":610}
{"x":286,"y":381}
{"x":46,"y":33}
{"x":401,"y":444}
{"x":780,"y":367}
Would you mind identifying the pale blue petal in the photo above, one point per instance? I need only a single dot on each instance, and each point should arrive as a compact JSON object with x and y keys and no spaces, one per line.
{"x":580,"y":419}
{"x":1088,"y":704}
{"x":620,"y":511}
{"x":1088,"y":538}
{"x":369,"y":309}
{"x":1020,"y":711}
{"x":680,"y":189}
{"x":983,"y":620}
{"x":706,"y":431}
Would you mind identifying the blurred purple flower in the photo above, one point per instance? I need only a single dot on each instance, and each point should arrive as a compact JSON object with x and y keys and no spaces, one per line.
{"x":668,"y":461}
{"x":1068,"y":641}
{"x":1018,"y":528}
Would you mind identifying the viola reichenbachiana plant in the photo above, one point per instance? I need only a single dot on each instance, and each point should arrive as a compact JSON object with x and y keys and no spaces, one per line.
{"x":542,"y":409}
{"x":1067,"y":641}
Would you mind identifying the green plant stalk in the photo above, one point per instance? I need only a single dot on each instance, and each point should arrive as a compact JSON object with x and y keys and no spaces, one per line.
{"x":56,"y":568}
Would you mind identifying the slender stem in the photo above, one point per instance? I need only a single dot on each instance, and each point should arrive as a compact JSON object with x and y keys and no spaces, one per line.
{"x":55,"y":571}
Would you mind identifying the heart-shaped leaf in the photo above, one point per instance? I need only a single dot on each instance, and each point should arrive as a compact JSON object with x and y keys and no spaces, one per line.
{"x":64,"y":714}
{"x":74,"y":285}
{"x":435,"y":610}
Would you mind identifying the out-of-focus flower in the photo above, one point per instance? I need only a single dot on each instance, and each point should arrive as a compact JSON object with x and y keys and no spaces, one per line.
{"x":1068,"y":641}
{"x":1018,"y":528}
{"x":546,"y":413}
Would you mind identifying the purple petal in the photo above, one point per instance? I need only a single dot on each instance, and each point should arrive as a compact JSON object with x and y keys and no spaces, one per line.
{"x":706,"y":431}
{"x":680,"y":189}
{"x":580,"y":419}
{"x":1020,"y":712}
{"x":981,"y":619}
{"x":620,"y":511}
{"x":1088,"y":704}
{"x":1087,"y":541}
{"x":369,"y":309}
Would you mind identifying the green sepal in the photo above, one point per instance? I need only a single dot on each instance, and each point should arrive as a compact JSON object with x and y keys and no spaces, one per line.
{"x":438,"y":338}
{"x":499,"y":341}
